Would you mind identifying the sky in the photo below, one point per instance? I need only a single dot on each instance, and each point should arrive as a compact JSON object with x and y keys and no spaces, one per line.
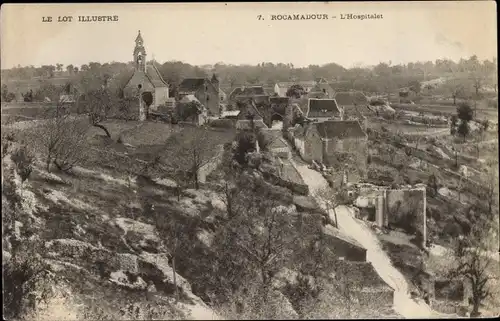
{"x":231,"y":33}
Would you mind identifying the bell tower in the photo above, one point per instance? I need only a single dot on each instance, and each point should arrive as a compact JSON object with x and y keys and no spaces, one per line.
{"x":139,"y":53}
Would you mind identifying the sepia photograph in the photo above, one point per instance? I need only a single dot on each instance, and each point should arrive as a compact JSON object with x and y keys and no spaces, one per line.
{"x":265,"y":160}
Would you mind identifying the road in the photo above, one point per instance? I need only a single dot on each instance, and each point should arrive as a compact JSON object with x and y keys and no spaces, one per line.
{"x":403,"y":303}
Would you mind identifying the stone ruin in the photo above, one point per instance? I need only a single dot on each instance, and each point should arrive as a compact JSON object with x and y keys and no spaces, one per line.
{"x":392,"y":207}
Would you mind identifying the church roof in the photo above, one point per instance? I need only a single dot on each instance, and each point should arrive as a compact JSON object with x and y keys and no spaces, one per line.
{"x":139,"y":37}
{"x":155,"y":77}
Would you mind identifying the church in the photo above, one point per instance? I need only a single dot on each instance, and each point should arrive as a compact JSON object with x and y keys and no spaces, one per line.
{"x":146,"y":82}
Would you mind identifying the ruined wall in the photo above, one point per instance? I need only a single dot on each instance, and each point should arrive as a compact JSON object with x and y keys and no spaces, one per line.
{"x":406,"y":208}
{"x":206,"y":169}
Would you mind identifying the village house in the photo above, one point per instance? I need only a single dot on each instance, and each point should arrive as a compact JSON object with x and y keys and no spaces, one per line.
{"x":222,"y":96}
{"x":342,"y":144}
{"x":245,"y":91}
{"x":205,"y":90}
{"x":321,"y":90}
{"x":279,"y":109}
{"x":323,"y":109}
{"x":200,"y":116}
{"x":249,"y":114}
{"x":352,"y":103}
{"x":146,"y":82}
{"x":280,"y":88}
{"x":351,"y":98}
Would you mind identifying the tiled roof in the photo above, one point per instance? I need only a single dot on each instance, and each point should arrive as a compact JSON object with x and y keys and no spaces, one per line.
{"x":299,"y":130}
{"x":279,"y":100}
{"x":258,"y":99}
{"x":247,"y":91}
{"x":191,"y":84}
{"x":288,"y":84}
{"x":340,"y":129}
{"x":322,"y":108}
{"x":154,"y":76}
{"x":351,"y":98}
{"x":245,"y":124}
{"x":248,"y":107}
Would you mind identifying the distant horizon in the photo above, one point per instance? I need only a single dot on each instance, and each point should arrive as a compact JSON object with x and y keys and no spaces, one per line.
{"x":358,"y":65}
{"x":207,"y":33}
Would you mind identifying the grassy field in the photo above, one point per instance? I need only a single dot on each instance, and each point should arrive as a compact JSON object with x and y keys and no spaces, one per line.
{"x":482,"y":113}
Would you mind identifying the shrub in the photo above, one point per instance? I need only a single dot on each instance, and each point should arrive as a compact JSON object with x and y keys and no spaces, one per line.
{"x":23,"y":159}
{"x":27,"y":282}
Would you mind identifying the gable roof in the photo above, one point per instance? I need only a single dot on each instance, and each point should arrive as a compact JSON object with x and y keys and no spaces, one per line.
{"x":340,"y":129}
{"x":191,"y":84}
{"x":279,"y":100}
{"x":275,"y":138}
{"x":248,"y":107}
{"x":155,"y":77}
{"x":322,"y":86}
{"x":257,"y":99}
{"x":247,"y":91}
{"x":322,"y":108}
{"x":288,"y":84}
{"x":351,"y":98}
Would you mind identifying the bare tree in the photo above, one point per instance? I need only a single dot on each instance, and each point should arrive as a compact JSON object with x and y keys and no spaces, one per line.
{"x":490,"y":194}
{"x":98,"y":105}
{"x":473,"y":260}
{"x":62,"y":139}
{"x":191,"y":151}
{"x":331,"y":199}
{"x":256,"y":239}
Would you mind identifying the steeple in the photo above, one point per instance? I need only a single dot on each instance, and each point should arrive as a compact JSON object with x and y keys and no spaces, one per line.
{"x":139,"y":39}
{"x":139,"y":53}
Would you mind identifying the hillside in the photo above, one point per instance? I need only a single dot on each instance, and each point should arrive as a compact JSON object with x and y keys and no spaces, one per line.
{"x":123,"y":242}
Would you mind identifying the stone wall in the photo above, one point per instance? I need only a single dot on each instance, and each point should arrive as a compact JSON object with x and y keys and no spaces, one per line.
{"x":205,"y":170}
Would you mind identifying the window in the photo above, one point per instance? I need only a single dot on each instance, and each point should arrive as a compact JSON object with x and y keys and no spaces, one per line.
{"x":139,"y":86}
{"x":208,"y":97}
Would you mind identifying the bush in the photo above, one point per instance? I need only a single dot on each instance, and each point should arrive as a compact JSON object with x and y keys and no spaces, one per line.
{"x":23,"y":159}
{"x":27,"y":282}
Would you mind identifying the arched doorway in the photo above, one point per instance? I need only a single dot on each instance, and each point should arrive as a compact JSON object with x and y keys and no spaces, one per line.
{"x":276,"y":121}
{"x":147,"y":98}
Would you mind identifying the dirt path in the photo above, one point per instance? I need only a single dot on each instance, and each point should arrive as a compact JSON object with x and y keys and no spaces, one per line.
{"x":403,"y":303}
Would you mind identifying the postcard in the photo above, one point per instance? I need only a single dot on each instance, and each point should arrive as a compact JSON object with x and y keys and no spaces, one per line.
{"x":267,"y":160}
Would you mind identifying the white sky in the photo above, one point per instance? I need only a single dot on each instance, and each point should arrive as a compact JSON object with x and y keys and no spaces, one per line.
{"x":210,"y":33}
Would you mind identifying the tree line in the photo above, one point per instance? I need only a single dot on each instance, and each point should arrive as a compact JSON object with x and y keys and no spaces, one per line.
{"x":380,"y":78}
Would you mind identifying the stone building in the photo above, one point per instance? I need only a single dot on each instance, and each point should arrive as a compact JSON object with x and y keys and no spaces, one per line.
{"x":146,"y":82}
{"x":205,"y":90}
{"x":329,"y":141}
